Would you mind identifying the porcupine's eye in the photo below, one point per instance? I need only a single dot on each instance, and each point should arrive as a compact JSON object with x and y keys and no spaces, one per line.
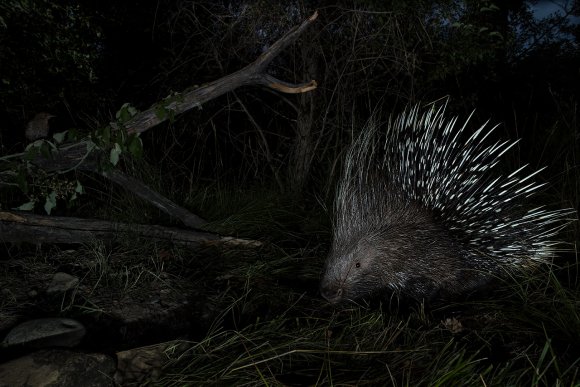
{"x":357,"y":265}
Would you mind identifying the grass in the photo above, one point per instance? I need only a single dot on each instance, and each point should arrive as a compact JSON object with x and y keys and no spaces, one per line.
{"x":260,"y":319}
{"x":274,"y":329}
{"x":358,"y":346}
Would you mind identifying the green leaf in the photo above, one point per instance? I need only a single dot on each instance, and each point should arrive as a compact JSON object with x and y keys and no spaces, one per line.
{"x":122,"y":114}
{"x":59,"y":137}
{"x":161,"y":112}
{"x":34,"y":146}
{"x":29,"y":206}
{"x":90,"y":146}
{"x":126,"y":113}
{"x":79,"y":188}
{"x":115,"y":153}
{"x":50,"y":202}
{"x":72,"y":134}
{"x":21,"y":180}
{"x":45,"y":149}
{"x":135,"y":146}
{"x":119,"y":136}
{"x":106,"y":135}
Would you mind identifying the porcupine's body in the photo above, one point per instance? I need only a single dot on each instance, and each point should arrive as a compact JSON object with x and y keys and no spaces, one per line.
{"x":419,"y":211}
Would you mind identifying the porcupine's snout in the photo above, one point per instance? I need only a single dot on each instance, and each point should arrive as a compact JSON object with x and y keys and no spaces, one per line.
{"x":331,"y":291}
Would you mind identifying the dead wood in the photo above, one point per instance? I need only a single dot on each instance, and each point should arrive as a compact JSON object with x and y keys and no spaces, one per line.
{"x":156,"y":199}
{"x":251,"y":75}
{"x":25,"y":227}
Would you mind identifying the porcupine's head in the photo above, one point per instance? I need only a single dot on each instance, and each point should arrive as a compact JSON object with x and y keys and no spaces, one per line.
{"x":418,"y":211}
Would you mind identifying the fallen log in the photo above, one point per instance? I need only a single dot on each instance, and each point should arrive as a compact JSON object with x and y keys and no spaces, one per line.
{"x":156,"y":199}
{"x":18,"y":226}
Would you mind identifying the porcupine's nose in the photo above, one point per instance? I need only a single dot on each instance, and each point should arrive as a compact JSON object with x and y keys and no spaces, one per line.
{"x":330,"y":293}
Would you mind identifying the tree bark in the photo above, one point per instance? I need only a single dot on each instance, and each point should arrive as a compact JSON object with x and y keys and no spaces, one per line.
{"x":302,"y":152}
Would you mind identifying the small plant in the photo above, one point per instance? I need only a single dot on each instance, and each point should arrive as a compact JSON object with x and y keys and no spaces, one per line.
{"x":51,"y":188}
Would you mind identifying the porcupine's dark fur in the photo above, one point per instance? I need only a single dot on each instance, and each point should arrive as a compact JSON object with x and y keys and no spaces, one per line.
{"x":418,"y":210}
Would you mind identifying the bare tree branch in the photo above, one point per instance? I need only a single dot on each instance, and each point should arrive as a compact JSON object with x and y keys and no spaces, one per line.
{"x":251,"y":75}
{"x":79,"y":155}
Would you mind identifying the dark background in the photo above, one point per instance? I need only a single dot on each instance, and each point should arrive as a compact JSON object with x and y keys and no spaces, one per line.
{"x":82,"y":61}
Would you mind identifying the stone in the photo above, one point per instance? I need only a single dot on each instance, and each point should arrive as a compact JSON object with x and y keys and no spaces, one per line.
{"x":61,"y":282}
{"x":46,"y":332}
{"x":58,"y":368}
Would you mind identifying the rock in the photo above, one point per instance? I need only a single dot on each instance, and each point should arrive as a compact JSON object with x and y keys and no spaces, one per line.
{"x":145,"y":363}
{"x":58,"y":368}
{"x":46,"y":332}
{"x":61,"y":282}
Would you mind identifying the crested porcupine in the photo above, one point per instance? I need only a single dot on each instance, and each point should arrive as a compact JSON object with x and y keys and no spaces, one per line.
{"x":419,"y":211}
